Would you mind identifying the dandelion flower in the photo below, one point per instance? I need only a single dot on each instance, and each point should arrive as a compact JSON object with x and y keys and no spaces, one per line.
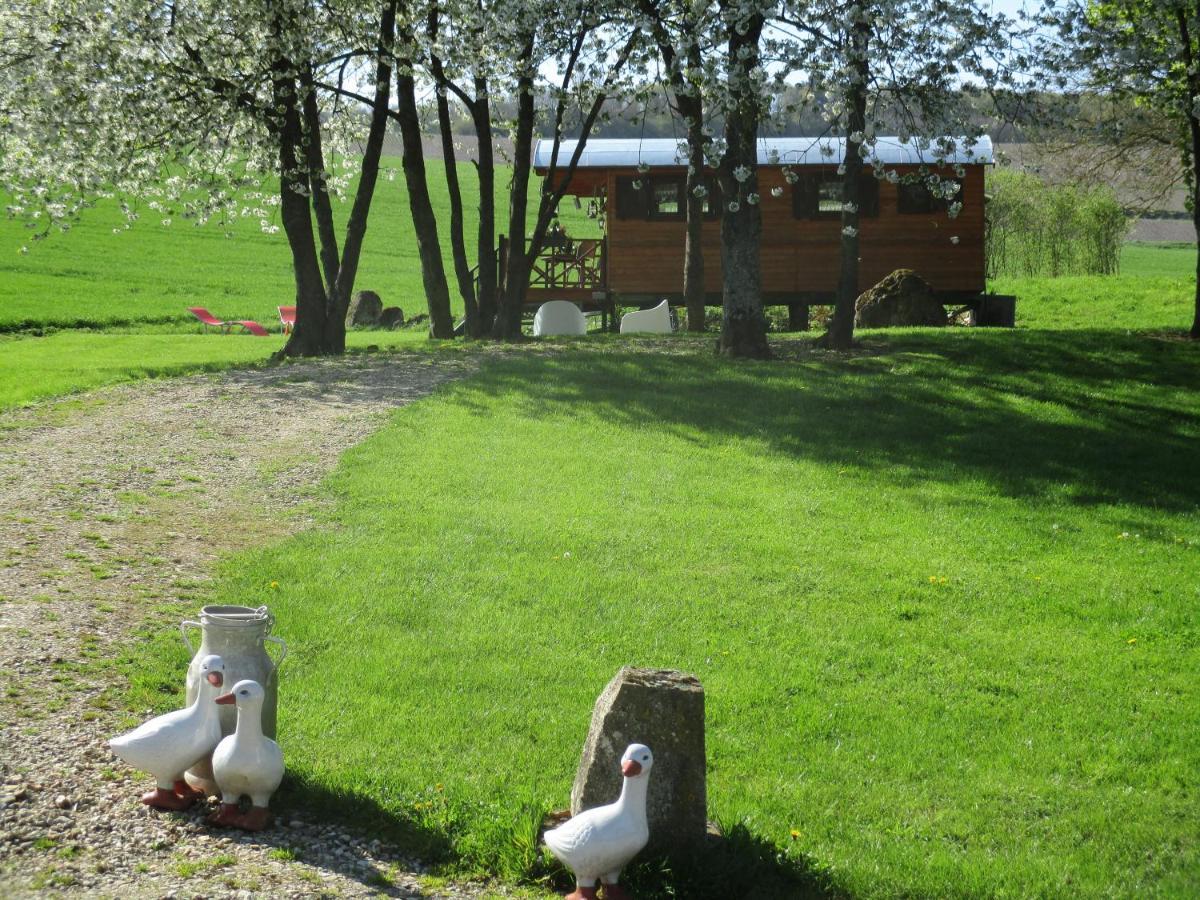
{"x":274,"y":585}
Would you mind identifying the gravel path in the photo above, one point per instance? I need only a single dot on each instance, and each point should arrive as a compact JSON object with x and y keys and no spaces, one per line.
{"x":113,"y":507}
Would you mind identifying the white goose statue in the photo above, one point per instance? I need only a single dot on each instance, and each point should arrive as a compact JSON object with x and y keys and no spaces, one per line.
{"x":247,"y":763}
{"x":168,"y":745}
{"x":597,"y":843}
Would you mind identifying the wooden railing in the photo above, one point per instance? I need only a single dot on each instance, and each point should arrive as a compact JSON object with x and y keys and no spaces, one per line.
{"x":570,"y":265}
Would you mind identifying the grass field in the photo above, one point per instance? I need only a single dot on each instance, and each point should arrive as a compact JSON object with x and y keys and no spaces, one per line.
{"x":66,"y":362}
{"x":942,"y":594}
{"x":151,"y":273}
{"x":1155,"y":290}
{"x":943,"y":599}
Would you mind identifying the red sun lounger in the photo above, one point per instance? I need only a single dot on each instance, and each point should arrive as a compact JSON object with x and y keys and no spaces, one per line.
{"x":208,"y":318}
{"x":287,"y":318}
{"x":211,"y":321}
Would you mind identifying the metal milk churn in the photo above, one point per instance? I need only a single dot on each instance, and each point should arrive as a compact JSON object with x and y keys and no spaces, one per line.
{"x":239,"y":635}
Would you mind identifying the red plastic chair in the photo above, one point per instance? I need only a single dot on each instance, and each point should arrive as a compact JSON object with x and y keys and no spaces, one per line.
{"x":287,"y":319}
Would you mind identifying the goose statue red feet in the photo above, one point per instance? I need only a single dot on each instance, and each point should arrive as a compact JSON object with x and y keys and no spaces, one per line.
{"x":246,"y":764}
{"x":598,"y":843}
{"x":168,"y":745}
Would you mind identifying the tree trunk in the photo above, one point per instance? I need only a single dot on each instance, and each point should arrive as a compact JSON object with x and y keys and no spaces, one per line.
{"x":433,"y":272}
{"x":840,"y":335}
{"x":481,"y":115}
{"x":315,"y":157}
{"x":356,"y":225}
{"x":462,"y":268}
{"x":1193,"y":96}
{"x":507,"y":325}
{"x":743,"y":325}
{"x":689,"y":103}
{"x":1194,"y":333}
{"x":694,"y":294}
{"x":306,"y":338}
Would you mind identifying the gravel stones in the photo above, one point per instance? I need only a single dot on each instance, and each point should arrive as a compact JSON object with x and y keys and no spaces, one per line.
{"x":113,"y":508}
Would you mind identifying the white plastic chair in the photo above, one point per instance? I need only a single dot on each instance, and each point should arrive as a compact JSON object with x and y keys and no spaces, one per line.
{"x":651,"y":321}
{"x":556,"y":317}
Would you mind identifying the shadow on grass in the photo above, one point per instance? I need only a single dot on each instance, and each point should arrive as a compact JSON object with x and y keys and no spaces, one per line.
{"x":1094,"y":416}
{"x":733,"y":866}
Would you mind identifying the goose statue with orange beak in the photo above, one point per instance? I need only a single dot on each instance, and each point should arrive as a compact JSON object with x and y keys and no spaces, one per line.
{"x":168,"y":745}
{"x":247,"y":763}
{"x":598,"y":843}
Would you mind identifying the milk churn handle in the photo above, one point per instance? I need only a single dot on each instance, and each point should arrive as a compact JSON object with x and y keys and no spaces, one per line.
{"x":183,"y":631}
{"x":266,"y":613}
{"x":282,"y":651}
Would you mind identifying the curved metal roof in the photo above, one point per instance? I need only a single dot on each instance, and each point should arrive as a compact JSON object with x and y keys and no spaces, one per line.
{"x":627,"y":153}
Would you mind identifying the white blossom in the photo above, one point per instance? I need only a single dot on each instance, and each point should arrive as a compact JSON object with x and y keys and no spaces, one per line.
{"x":777,"y":192}
{"x":741,"y":174}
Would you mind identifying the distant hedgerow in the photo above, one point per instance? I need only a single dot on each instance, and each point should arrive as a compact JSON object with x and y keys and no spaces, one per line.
{"x":1038,"y":229}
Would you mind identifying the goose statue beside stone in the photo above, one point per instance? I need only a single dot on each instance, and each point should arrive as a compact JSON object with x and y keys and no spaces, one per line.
{"x":247,"y":763}
{"x":597,"y":843}
{"x":168,"y":745}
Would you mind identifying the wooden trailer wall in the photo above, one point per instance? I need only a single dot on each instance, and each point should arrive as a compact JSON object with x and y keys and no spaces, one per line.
{"x":800,"y":256}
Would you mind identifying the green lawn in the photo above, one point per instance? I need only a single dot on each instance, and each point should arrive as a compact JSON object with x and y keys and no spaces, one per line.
{"x":1154,"y":290}
{"x":151,"y":273}
{"x":942,"y":597}
{"x":66,"y":362}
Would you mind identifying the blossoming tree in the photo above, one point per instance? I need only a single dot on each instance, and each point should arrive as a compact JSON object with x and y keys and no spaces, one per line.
{"x":1136,"y":54}
{"x":903,"y":64}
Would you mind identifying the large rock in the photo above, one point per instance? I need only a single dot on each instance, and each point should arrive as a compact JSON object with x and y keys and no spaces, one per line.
{"x":365,"y":309}
{"x":392,"y":317}
{"x":664,"y":710}
{"x":902,"y":298}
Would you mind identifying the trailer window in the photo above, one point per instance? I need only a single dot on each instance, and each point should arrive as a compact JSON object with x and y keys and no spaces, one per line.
{"x":819,"y":196}
{"x":665,"y":199}
{"x":662,"y":197}
{"x":915,"y":198}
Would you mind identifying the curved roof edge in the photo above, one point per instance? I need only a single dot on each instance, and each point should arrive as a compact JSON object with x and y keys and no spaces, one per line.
{"x":627,"y":153}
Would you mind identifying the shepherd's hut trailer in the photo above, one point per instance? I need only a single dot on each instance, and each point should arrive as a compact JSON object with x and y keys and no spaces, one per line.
{"x":637,"y":188}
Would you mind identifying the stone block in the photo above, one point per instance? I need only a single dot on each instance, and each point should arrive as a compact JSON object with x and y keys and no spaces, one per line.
{"x":392,"y":317}
{"x":903,"y":298}
{"x":365,"y":309}
{"x":664,"y":710}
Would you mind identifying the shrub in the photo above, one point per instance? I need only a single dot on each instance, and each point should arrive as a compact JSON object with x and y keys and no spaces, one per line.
{"x":1038,"y":229}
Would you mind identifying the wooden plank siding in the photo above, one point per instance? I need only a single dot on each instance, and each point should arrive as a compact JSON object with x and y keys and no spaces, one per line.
{"x":801,"y":256}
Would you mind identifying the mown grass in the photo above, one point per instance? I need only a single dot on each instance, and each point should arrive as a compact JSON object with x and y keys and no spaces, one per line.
{"x":91,"y":277}
{"x":66,"y":362}
{"x":1154,"y":291}
{"x":942,"y":596}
